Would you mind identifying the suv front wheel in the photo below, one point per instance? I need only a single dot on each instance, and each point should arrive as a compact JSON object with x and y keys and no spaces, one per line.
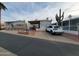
{"x":51,"y":31}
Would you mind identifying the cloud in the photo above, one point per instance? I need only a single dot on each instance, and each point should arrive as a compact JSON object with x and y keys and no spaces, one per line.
{"x":30,"y":11}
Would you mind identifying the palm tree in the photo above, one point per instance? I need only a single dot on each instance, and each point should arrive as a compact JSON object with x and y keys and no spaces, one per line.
{"x":2,"y":7}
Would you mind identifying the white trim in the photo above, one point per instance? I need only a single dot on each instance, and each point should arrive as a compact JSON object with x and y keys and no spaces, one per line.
{"x":71,"y":32}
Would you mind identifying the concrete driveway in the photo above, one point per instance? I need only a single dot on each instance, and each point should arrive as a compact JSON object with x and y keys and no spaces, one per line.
{"x":27,"y":46}
{"x":45,"y":36}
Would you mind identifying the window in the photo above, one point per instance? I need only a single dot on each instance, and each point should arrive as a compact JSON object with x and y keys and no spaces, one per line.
{"x":55,"y":26}
{"x":49,"y":26}
{"x":19,"y":25}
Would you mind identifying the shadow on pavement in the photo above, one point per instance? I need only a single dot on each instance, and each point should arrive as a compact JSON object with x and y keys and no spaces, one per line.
{"x":26,"y":46}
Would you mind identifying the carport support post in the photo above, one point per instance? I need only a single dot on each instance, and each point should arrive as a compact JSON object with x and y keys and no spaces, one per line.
{"x":0,"y":19}
{"x":69,"y":24}
{"x":69,"y":21}
{"x":62,"y":24}
{"x":78,"y":30}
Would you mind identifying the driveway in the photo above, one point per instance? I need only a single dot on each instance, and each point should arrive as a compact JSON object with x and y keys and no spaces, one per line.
{"x":27,"y":46}
{"x":44,"y":35}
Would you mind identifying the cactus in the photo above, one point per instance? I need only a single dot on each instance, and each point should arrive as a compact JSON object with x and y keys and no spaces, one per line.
{"x":59,"y":18}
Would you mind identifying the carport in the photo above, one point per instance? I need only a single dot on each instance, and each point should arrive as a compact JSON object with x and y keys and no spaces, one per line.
{"x":35,"y":23}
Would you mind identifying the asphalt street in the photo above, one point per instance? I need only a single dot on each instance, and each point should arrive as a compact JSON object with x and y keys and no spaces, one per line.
{"x":27,"y":46}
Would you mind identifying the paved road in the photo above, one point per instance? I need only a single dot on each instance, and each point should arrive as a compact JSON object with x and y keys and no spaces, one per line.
{"x":26,"y":46}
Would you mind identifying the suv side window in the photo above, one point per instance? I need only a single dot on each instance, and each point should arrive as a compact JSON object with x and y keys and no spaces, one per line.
{"x":49,"y":26}
{"x":56,"y":27}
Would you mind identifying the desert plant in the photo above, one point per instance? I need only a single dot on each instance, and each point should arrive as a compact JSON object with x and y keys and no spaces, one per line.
{"x":59,"y":18}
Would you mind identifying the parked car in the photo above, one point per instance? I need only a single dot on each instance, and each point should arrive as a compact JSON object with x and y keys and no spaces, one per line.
{"x":54,"y":29}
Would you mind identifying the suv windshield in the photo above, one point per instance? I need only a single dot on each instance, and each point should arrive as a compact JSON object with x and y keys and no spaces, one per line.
{"x":55,"y":27}
{"x":49,"y":26}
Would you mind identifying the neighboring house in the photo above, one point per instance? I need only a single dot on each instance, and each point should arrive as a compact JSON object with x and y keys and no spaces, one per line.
{"x":70,"y":27}
{"x":2,"y":25}
{"x":16,"y":25}
{"x":40,"y":24}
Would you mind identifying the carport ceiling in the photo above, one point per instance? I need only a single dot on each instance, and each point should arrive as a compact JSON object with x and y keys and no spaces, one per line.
{"x":34,"y":22}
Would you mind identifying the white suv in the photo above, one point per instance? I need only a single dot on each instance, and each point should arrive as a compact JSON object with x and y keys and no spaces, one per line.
{"x":54,"y":29}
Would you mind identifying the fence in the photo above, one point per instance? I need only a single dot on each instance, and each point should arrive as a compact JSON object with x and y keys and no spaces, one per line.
{"x":71,"y":28}
{"x":72,"y":32}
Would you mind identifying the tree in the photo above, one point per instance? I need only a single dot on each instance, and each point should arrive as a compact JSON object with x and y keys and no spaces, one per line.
{"x":59,"y":18}
{"x":2,"y":7}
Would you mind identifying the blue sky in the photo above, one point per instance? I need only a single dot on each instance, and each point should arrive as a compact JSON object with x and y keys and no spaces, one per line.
{"x":36,"y":10}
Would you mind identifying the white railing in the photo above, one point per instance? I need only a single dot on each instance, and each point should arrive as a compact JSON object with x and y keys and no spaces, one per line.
{"x":72,"y":30}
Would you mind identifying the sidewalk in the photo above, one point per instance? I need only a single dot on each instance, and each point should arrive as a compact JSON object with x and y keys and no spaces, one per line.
{"x":44,"y":35}
{"x":4,"y":52}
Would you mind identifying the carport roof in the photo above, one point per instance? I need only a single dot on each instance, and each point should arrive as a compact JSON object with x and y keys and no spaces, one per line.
{"x":38,"y":21}
{"x":34,"y":22}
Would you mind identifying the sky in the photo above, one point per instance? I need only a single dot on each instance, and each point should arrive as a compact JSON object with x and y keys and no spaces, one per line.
{"x":38,"y":10}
